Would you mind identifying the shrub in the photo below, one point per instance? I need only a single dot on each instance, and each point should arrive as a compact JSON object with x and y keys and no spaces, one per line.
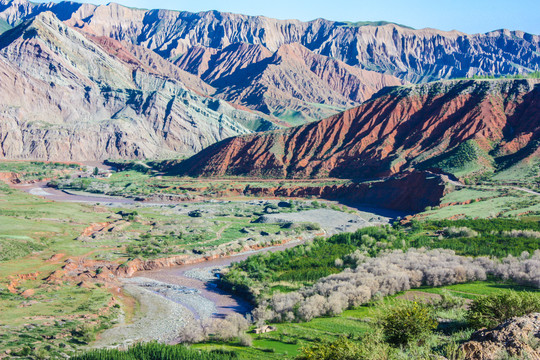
{"x":233,"y":326}
{"x":154,"y":350}
{"x":312,"y":226}
{"x":406,"y":322}
{"x":86,"y":333}
{"x":342,"y":349}
{"x":245,"y":340}
{"x":448,"y":301}
{"x":192,"y":333}
{"x":459,"y":232}
{"x":489,"y":311}
{"x":521,"y":233}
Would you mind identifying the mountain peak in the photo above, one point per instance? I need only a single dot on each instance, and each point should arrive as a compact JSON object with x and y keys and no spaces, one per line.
{"x":47,"y":17}
{"x":13,"y":2}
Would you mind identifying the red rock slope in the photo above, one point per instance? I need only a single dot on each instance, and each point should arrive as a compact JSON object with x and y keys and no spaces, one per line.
{"x":402,"y":128}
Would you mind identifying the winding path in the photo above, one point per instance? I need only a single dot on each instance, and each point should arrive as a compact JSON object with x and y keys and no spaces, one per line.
{"x":526,"y":190}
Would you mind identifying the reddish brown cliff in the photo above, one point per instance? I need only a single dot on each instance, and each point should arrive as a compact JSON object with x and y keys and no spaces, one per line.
{"x":404,"y":128}
{"x":412,"y":191}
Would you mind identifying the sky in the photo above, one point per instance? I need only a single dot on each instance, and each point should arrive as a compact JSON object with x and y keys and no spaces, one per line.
{"x":470,"y":16}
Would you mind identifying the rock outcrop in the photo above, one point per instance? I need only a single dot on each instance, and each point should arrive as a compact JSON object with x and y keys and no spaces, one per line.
{"x":409,"y":192}
{"x":404,"y":128}
{"x":518,"y":337}
{"x":69,"y":96}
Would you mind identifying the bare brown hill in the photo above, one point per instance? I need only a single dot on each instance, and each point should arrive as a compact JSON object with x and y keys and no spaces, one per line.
{"x":293,"y":83}
{"x":289,"y":70}
{"x":110,"y":81}
{"x":449,"y":125}
{"x":212,"y":64}
{"x":68,"y":96}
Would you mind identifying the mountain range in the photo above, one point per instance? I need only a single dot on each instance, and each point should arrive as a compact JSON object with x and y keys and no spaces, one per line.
{"x":86,"y":82}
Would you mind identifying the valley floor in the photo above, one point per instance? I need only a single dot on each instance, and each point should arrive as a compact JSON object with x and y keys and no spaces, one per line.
{"x":94,"y":261}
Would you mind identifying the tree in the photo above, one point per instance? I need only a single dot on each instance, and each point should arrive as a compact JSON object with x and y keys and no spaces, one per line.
{"x":489,"y":311}
{"x":406,"y":322}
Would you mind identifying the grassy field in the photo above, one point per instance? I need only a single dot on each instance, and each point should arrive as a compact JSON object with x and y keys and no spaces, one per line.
{"x":146,"y":182}
{"x":484,"y":201}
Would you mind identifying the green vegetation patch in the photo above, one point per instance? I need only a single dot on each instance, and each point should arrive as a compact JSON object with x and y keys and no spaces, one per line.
{"x":156,"y":351}
{"x":15,"y":248}
{"x":302,"y":265}
{"x":305,"y":264}
{"x":313,"y":339}
{"x":481,"y":202}
{"x":463,"y":160}
{"x":494,"y":237}
{"x":4,"y":26}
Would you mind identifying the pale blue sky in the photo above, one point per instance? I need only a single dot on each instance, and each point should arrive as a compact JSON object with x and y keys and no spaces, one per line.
{"x":470,"y":16}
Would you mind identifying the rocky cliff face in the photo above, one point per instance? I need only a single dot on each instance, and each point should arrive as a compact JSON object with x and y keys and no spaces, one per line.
{"x":410,"y":191}
{"x":68,"y":96}
{"x":410,"y":127}
{"x":413,"y":55}
{"x":288,"y":84}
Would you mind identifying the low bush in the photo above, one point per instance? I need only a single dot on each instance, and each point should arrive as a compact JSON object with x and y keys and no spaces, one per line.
{"x":406,"y":322}
{"x":489,"y":311}
{"x":448,"y":301}
{"x":454,"y":232}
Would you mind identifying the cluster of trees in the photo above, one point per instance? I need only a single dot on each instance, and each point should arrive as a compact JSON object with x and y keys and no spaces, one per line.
{"x":305,"y":264}
{"x":521,"y":234}
{"x":493,"y":237}
{"x":389,"y":273}
{"x":483,"y":226}
{"x":524,"y":269}
{"x":232,"y":328}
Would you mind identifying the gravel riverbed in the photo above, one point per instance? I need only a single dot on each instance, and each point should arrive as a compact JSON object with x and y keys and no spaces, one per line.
{"x":158,"y":318}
